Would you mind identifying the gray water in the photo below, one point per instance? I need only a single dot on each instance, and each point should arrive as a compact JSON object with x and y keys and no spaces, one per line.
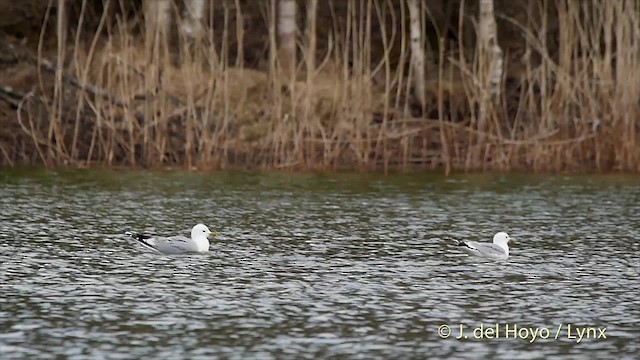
{"x":312,"y":266}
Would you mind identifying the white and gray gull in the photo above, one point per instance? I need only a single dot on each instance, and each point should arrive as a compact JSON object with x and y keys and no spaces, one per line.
{"x":499,"y":249}
{"x":198,"y":243}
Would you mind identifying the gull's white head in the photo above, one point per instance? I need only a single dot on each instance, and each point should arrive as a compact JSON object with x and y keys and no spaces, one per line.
{"x":201,"y":232}
{"x":503,"y":239}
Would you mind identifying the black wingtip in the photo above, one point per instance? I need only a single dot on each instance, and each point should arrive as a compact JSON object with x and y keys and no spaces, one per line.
{"x":462,"y":243}
{"x":136,"y":236}
{"x":141,"y":239}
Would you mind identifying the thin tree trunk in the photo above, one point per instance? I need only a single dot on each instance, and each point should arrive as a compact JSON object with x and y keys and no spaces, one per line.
{"x":417,"y":51}
{"x":311,"y":54}
{"x":287,"y":36}
{"x":57,"y":114}
{"x":309,"y":98}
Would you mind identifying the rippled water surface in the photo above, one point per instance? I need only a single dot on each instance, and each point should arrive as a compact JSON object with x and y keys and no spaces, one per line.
{"x":318,"y":266}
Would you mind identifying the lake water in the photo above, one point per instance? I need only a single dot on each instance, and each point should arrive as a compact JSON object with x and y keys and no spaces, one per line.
{"x":310,"y":266}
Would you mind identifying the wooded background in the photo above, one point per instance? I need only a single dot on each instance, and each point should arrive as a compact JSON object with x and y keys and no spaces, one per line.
{"x":527,"y":85}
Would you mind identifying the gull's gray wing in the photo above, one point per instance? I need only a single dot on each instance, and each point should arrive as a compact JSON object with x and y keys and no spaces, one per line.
{"x":173,"y":244}
{"x":483,"y":249}
{"x":165,"y":245}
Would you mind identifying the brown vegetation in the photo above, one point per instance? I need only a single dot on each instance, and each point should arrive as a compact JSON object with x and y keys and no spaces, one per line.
{"x":91,"y":88}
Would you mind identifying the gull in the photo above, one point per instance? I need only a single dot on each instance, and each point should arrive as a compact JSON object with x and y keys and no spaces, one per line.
{"x":198,"y":243}
{"x":499,"y":249}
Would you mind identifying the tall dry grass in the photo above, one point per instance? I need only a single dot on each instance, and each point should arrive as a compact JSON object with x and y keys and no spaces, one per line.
{"x":123,"y":94}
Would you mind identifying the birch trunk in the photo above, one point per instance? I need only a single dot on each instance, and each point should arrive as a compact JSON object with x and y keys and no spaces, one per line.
{"x":287,"y":28}
{"x":490,"y":73}
{"x":157,"y":22}
{"x":158,"y":18}
{"x":312,"y":6}
{"x":417,"y":51}
{"x":490,"y":50}
{"x":193,"y":17}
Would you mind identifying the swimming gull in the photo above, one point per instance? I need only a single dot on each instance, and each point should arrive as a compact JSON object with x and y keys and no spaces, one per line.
{"x":498,"y":250}
{"x":198,"y":242}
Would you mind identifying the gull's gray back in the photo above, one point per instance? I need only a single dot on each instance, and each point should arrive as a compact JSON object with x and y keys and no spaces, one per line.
{"x":175,"y":245}
{"x":488,"y":248}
